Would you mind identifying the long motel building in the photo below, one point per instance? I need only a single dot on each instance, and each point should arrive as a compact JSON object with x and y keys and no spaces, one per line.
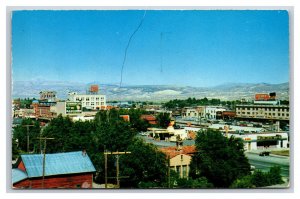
{"x":263,"y":111}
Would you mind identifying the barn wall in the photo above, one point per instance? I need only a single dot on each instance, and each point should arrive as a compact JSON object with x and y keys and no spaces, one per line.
{"x":22,"y":184}
{"x":21,"y":166}
{"x":63,"y":181}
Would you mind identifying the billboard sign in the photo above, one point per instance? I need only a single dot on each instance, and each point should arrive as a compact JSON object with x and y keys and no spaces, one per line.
{"x":73,"y":107}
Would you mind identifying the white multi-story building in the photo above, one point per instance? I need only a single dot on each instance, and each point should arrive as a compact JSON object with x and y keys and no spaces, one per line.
{"x":211,"y":111}
{"x":193,"y":112}
{"x":89,"y":101}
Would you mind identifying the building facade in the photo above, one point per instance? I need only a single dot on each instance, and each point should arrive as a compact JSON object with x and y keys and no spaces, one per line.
{"x":211,"y":111}
{"x":193,"y":112}
{"x":264,"y":141}
{"x":263,"y":111}
{"x":208,"y":112}
{"x":180,"y":160}
{"x":48,"y":95}
{"x":89,"y":101}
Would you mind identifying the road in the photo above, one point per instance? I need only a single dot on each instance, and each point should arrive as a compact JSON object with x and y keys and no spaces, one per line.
{"x":264,"y":163}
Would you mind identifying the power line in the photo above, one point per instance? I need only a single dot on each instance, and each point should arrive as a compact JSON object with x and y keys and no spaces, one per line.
{"x":129,"y":41}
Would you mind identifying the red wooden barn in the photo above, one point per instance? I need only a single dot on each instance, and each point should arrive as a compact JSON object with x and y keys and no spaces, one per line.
{"x":62,"y":170}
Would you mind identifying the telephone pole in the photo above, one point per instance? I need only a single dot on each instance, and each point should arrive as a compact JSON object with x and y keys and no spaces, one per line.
{"x":117,"y":153}
{"x":27,"y":126}
{"x":44,"y":156}
{"x":169,"y":173}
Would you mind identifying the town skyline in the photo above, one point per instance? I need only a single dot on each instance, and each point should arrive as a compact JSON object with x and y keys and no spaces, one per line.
{"x":191,"y":48}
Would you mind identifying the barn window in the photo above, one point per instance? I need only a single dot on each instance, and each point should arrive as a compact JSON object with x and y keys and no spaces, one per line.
{"x":78,"y":186}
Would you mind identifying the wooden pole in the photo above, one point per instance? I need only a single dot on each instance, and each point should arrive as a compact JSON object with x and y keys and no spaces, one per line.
{"x":44,"y":157}
{"x":118,"y":168}
{"x":44,"y":162}
{"x":169,"y":178}
{"x":27,"y":139}
{"x":118,"y":181}
{"x":105,"y":156}
{"x":27,"y":127}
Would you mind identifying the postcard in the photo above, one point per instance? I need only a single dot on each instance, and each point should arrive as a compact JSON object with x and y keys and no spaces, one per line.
{"x":150,"y":99}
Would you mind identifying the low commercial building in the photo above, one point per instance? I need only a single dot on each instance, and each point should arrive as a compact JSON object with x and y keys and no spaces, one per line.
{"x":193,"y":112}
{"x":211,"y":111}
{"x":24,"y":113}
{"x":263,"y":141}
{"x":42,"y":109}
{"x":62,"y":170}
{"x":225,"y":115}
{"x":208,"y":112}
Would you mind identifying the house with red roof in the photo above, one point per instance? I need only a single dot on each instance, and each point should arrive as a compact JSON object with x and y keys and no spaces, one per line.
{"x":151,"y":119}
{"x":180,"y":158}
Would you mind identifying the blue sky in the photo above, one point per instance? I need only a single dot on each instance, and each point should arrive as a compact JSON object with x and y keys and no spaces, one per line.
{"x":191,"y":48}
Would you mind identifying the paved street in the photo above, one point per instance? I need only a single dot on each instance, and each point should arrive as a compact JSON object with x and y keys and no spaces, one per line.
{"x":264,"y":163}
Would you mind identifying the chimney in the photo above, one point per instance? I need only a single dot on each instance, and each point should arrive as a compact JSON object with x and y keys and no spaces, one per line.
{"x":83,"y":152}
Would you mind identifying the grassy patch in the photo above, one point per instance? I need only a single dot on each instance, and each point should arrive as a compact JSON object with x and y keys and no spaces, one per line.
{"x":283,"y":152}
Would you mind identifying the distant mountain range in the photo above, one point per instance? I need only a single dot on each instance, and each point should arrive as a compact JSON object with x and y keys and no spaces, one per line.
{"x":228,"y":91}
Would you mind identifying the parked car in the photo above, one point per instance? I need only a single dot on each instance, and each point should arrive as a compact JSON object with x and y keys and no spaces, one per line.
{"x":264,"y":153}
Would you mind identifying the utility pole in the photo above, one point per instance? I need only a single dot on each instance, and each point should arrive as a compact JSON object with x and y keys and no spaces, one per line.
{"x":105,"y":156}
{"x":117,"y":153}
{"x":44,"y":156}
{"x":169,"y":177}
{"x":27,"y":126}
{"x":118,"y":180}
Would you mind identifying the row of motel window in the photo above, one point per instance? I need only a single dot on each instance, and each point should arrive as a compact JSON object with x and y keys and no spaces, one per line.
{"x":266,"y":109}
{"x":271,"y":114}
{"x":92,"y":104}
{"x":88,"y":99}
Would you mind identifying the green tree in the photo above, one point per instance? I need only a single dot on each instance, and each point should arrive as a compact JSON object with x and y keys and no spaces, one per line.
{"x":259,"y":179}
{"x":20,"y":134}
{"x":61,"y":129}
{"x":221,"y":160}
{"x":146,"y":166}
{"x":112,"y":132}
{"x":199,"y":183}
{"x":163,"y":120}
{"x":244,"y":182}
{"x":274,"y":175}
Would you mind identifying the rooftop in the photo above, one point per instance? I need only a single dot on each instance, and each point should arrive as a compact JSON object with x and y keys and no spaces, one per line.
{"x":57,"y":164}
{"x":172,"y":151}
{"x":18,"y":175}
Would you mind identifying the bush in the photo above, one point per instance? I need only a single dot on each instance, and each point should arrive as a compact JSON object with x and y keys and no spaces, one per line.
{"x":259,"y":179}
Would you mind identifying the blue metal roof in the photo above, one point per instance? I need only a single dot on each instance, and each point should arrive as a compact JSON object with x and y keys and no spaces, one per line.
{"x":57,"y":164}
{"x":18,"y":175}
